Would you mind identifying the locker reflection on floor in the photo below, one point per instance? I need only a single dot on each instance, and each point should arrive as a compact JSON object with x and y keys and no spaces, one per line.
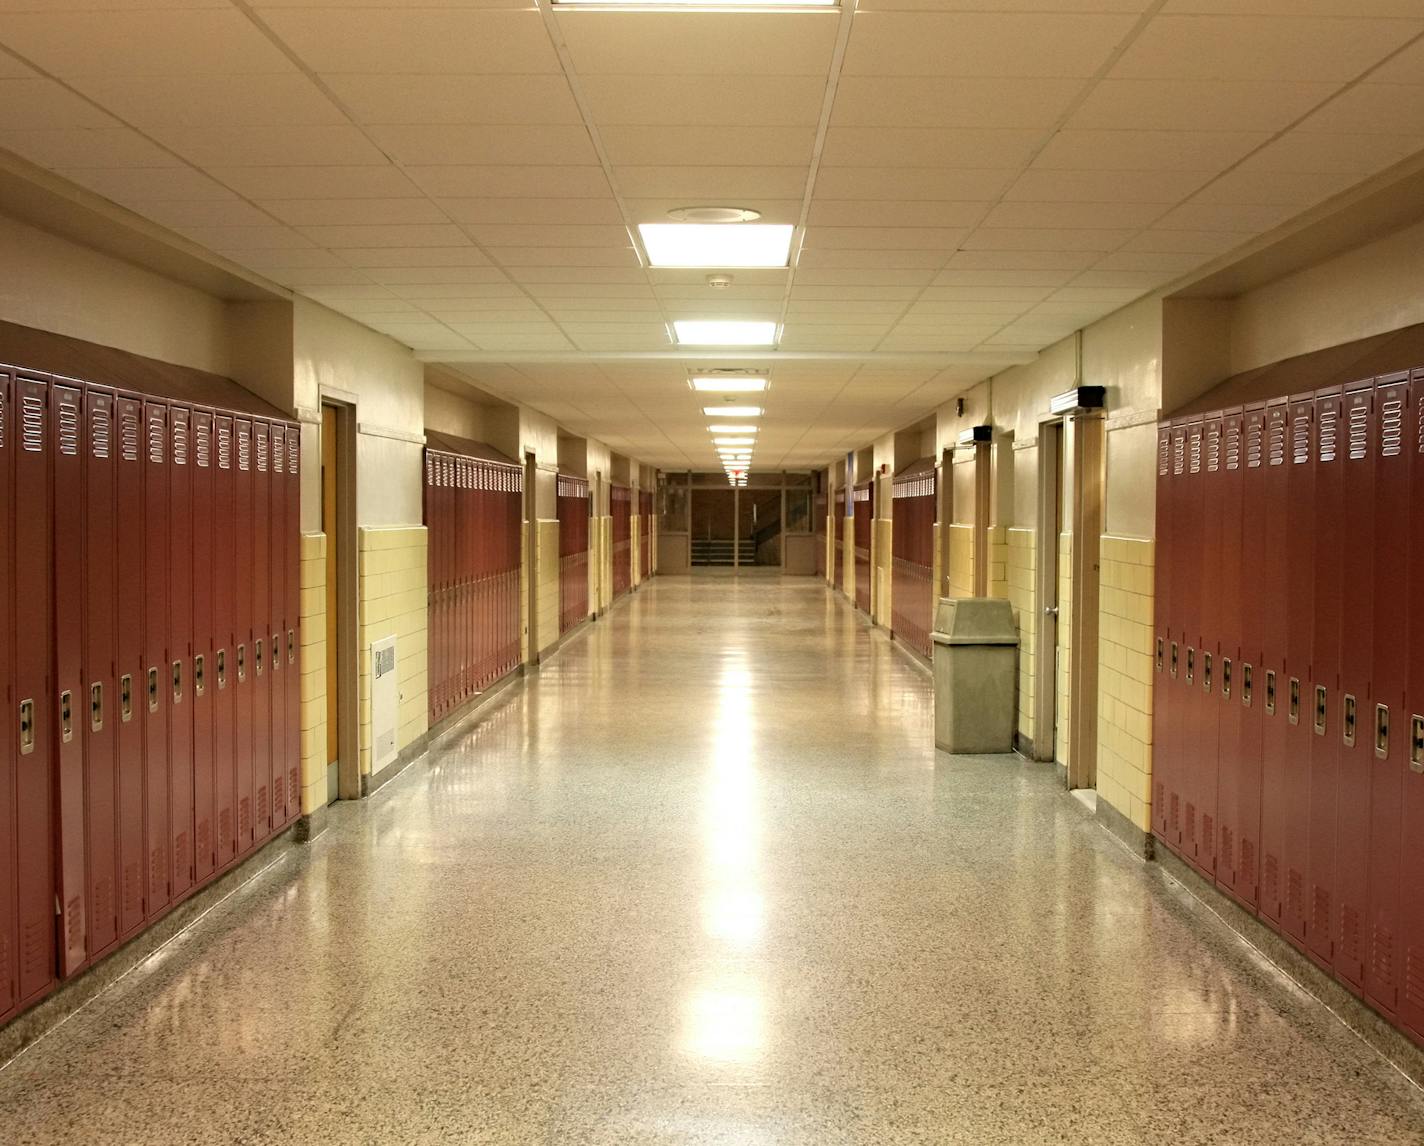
{"x":707,"y":891}
{"x":150,"y":551}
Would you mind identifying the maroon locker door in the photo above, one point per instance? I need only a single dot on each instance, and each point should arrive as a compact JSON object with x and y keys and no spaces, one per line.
{"x":129,"y":661}
{"x":155,"y":653}
{"x":9,"y":740}
{"x":864,"y":525}
{"x":1187,"y":524}
{"x":1411,"y":878}
{"x":1277,"y":582}
{"x":200,"y":571}
{"x":1320,"y":684}
{"x":67,"y":454}
{"x":432,"y":589}
{"x":645,"y":533}
{"x":1206,"y":638}
{"x":241,"y":676}
{"x":1177,"y":644}
{"x":224,"y":671}
{"x":99,"y":703}
{"x":1231,"y":768}
{"x":1387,"y":719}
{"x":34,"y":767}
{"x":622,"y":539}
{"x":1352,"y":729}
{"x":1250,"y":673}
{"x":1162,"y":695}
{"x":178,"y":675}
{"x":276,"y":611}
{"x":260,"y":570}
{"x":293,"y":617}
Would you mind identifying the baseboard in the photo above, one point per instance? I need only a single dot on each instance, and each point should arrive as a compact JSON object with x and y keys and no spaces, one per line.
{"x":1138,"y":842}
{"x":1372,"y":1027}
{"x":375,"y":781}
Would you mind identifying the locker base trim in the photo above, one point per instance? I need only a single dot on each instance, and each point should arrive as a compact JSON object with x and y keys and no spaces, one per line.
{"x":1140,"y":843}
{"x":1379,"y":1033}
{"x":72,"y":994}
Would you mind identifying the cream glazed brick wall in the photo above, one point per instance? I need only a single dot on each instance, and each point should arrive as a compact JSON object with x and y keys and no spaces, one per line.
{"x":998,"y":561}
{"x":884,"y":563}
{"x":635,"y":523}
{"x":393,"y":599}
{"x":313,"y":670}
{"x":961,"y":561}
{"x":1065,"y":644}
{"x":936,"y":569}
{"x":524,"y":594}
{"x":548,"y":616}
{"x":1125,"y":650}
{"x":1021,"y":560}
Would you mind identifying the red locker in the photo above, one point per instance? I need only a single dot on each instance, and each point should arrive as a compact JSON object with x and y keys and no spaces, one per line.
{"x":1226,"y":591}
{"x":199,"y":564}
{"x":242,"y":673}
{"x":99,"y":703}
{"x":9,"y":741}
{"x":1352,"y":733}
{"x":259,"y":569}
{"x":1387,"y":717}
{"x":276,"y":611}
{"x":33,"y":676}
{"x":156,"y":559}
{"x":1277,"y":586}
{"x":1250,"y":673}
{"x":1411,"y":905}
{"x":1205,"y":637}
{"x":178,"y":675}
{"x":1186,"y":706}
{"x":293,"y":619}
{"x":1162,"y":759}
{"x":224,"y":673}
{"x":67,"y":454}
{"x":129,"y":662}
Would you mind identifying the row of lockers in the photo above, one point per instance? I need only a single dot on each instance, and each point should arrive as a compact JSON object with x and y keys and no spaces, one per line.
{"x":574,"y":508}
{"x":621,"y":506}
{"x":912,"y":596}
{"x":473,"y":515}
{"x":838,"y":539}
{"x":863,"y":507}
{"x":149,"y":551}
{"x":645,"y":533}
{"x":1288,"y":725}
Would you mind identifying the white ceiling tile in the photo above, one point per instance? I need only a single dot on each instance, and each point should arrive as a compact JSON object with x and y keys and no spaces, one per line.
{"x":1261,"y":48}
{"x":213,"y":100}
{"x":322,"y":145}
{"x":954,"y":292}
{"x":1055,"y":6}
{"x":1204,"y":243}
{"x":515,"y":235}
{"x":863,"y":277}
{"x":673,"y":43}
{"x":1139,"y":280}
{"x":300,"y":277}
{"x":555,"y":257}
{"x":445,"y":99}
{"x":1207,"y":151}
{"x":412,"y":235}
{"x":534,"y":211}
{"x":952,"y":101}
{"x":830,"y":258}
{"x":423,"y":336}
{"x":1250,"y":219}
{"x":289,"y":258}
{"x":148,"y":184}
{"x":981,"y":279}
{"x":1038,"y":185}
{"x":620,"y":317}
{"x":554,"y":341}
{"x":1117,"y":295}
{"x":511,"y":182}
{"x":622,"y":275}
{"x":885,"y":238}
{"x":660,"y":146}
{"x":695,"y":183}
{"x":901,"y":183}
{"x":752,"y":100}
{"x":475,"y":144}
{"x":1021,"y":260}
{"x":417,"y":41}
{"x":1397,"y":8}
{"x":982,"y":44}
{"x":1350,"y":154}
{"x":1167,"y":261}
{"x":1083,"y":215}
{"x":1266,"y":187}
{"x":873,"y":213}
{"x":426,"y":276}
{"x":458,"y":256}
{"x":804,"y":308}
{"x":353,"y":212}
{"x":1402,"y":68}
{"x":928,"y":147}
{"x":306,"y":182}
{"x":800,"y":293}
{"x":1197,"y":105}
{"x":1374,"y":109}
{"x":1046,"y":239}
{"x":459,"y":319}
{"x":592,"y":290}
{"x":457,"y":294}
{"x":87,"y":147}
{"x":34,"y":103}
{"x":204,"y":213}
{"x":245,"y":238}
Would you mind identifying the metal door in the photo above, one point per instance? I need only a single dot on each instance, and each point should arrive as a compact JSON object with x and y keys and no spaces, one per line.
{"x":155,"y":701}
{"x":241,"y":677}
{"x":129,"y":662}
{"x":259,"y":569}
{"x":201,"y":685}
{"x":178,"y":671}
{"x":1277,"y":580}
{"x":224,"y":669}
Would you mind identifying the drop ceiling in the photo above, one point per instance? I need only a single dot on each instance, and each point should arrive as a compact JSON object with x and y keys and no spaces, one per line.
{"x":970,"y":180}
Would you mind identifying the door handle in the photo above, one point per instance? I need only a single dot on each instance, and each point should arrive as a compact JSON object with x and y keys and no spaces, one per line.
{"x":1050,"y":611}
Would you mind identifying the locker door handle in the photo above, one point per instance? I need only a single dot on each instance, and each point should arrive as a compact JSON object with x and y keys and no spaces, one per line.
{"x":153,"y":690}
{"x":177,"y":682}
{"x":27,"y":727}
{"x":1270,"y":692}
{"x":1347,"y":721}
{"x":1382,"y":731}
{"x":96,"y":706}
{"x":1160,"y":653}
{"x":241,"y":663}
{"x":1226,"y":678}
{"x":1191,"y":664}
{"x":1416,"y":743}
{"x":1321,"y":700}
{"x":1206,"y":672}
{"x":1293,"y":701}
{"x":200,"y":683}
{"x":291,"y":646}
{"x":222,"y":668}
{"x":126,"y":697}
{"x":257,"y":657}
{"x":1246,"y":675}
{"x":276,"y":651}
{"x":66,"y":716}
{"x":1174,"y":661}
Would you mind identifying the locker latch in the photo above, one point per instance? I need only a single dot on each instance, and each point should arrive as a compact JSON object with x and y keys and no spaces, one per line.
{"x":200,"y":683}
{"x":96,"y":706}
{"x":177,"y":682}
{"x":276,"y":651}
{"x":27,"y":727}
{"x":1347,"y":720}
{"x":1246,"y":675}
{"x":222,"y":668}
{"x":1321,"y":700}
{"x":126,"y":697}
{"x":1226,"y":678}
{"x":1382,"y":731}
{"x":1173,"y":668}
{"x":257,"y":659}
{"x":153,"y":690}
{"x":1206,"y":672}
{"x":1191,"y":664}
{"x":66,"y":716}
{"x":1160,"y":656}
{"x":291,"y":646}
{"x":241,"y":663}
{"x":1270,"y":692}
{"x":1416,"y":743}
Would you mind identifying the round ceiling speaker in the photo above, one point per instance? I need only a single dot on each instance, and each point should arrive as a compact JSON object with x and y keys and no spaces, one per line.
{"x":714,"y":214}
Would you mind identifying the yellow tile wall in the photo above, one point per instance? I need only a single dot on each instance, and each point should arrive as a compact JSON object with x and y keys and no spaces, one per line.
{"x":848,"y":562}
{"x":548,"y":616}
{"x":936,"y":566}
{"x":605,"y":561}
{"x":313,"y":670}
{"x":1125,"y":650}
{"x":635,"y":523}
{"x":523,"y":594}
{"x":884,"y":559}
{"x":1065,"y":643}
{"x":392,"y":593}
{"x":998,"y":561}
{"x":1020,"y":562}
{"x":961,"y":561}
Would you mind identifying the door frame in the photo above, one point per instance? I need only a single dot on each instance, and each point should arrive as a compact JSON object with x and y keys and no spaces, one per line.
{"x":347,"y":562}
{"x":531,"y":556}
{"x":1088,"y":434}
{"x":1045,"y":595}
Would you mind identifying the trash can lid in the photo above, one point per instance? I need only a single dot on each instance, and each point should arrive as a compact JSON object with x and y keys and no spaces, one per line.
{"x":974,"y":621}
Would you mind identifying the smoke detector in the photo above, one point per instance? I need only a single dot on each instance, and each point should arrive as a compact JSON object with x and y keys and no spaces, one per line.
{"x":719,"y":282}
{"x":714,"y":214}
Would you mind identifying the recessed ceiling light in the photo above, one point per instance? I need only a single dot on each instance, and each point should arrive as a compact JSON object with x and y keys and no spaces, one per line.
{"x":732,"y":411}
{"x":698,"y":332}
{"x":714,"y":214}
{"x":747,"y":429}
{"x":735,"y":441}
{"x":728,"y":384}
{"x":696,"y":3}
{"x":715,"y":245}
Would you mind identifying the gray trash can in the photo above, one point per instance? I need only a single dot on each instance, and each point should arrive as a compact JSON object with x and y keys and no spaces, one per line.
{"x":975,"y":669}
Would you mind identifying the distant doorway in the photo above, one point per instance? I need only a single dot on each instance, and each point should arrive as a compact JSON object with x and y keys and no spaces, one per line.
{"x":714,"y":528}
{"x":759,"y":526}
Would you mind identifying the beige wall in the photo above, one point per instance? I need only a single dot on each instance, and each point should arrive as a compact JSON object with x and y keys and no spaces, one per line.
{"x":393,"y":602}
{"x":313,"y":667}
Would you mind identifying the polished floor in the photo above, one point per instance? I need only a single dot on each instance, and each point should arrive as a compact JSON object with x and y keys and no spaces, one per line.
{"x":704,"y":879}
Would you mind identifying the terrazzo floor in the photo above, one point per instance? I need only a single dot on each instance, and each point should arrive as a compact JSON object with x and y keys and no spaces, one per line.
{"x":704,"y":879}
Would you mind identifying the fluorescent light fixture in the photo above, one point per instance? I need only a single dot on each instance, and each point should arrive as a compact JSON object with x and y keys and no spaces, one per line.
{"x":735,"y":441}
{"x":749,"y":428}
{"x":732,"y":411}
{"x":729,"y":385}
{"x":700,"y":332}
{"x":696,"y":3}
{"x":717,"y":244}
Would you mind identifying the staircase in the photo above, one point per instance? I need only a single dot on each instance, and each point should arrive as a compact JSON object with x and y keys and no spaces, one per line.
{"x":709,"y":551}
